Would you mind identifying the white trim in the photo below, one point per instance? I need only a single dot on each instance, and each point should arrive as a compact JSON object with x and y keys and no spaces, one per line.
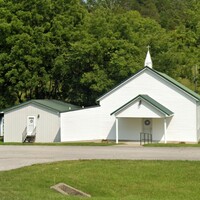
{"x":128,"y":105}
{"x":173,"y":84}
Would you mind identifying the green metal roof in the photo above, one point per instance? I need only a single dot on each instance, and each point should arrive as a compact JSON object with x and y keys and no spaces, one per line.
{"x":157,"y":104}
{"x":53,"y":105}
{"x":181,"y":86}
{"x":162,"y":75}
{"x":151,"y":101}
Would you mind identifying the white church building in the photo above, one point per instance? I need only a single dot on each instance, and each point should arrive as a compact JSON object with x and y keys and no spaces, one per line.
{"x":149,"y":104}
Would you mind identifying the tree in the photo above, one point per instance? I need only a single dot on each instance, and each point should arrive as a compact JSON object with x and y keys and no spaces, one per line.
{"x":113,"y":47}
{"x":77,"y":50}
{"x":36,"y":36}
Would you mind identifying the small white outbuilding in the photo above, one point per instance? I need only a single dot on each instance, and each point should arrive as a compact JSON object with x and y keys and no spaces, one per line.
{"x":35,"y":120}
{"x":149,"y":104}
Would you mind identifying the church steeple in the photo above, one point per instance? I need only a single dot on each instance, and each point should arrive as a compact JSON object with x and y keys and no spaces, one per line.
{"x":148,"y":62}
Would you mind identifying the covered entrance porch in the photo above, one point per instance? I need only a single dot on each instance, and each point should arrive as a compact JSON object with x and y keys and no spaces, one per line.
{"x":142,"y":115}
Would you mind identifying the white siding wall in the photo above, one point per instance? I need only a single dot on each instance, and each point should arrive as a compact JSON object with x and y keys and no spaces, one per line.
{"x":158,"y":130}
{"x":198,"y":121}
{"x":47,"y":125}
{"x":1,"y":126}
{"x":130,"y":128}
{"x":97,"y":123}
{"x":83,"y":124}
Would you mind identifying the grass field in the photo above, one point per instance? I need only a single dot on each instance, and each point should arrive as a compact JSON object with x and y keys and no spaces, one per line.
{"x":62,"y":143}
{"x":171,"y":145}
{"x":105,"y":180}
{"x":106,"y":143}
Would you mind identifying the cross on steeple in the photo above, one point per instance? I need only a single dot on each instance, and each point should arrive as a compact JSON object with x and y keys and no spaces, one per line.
{"x":148,"y":61}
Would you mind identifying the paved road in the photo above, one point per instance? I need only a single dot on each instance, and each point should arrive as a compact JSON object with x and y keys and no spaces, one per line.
{"x":12,"y":157}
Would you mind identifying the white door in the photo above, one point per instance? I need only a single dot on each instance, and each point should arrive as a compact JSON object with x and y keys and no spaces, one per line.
{"x":30,"y":124}
{"x":147,"y":125}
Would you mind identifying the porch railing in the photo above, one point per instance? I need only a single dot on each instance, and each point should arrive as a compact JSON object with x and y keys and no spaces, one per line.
{"x":25,"y":135}
{"x":145,"y":138}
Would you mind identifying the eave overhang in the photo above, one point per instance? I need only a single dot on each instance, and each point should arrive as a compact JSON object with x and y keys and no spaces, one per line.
{"x":165,"y":112}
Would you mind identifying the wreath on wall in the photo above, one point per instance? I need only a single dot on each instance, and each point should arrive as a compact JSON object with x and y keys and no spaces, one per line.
{"x":147,"y":122}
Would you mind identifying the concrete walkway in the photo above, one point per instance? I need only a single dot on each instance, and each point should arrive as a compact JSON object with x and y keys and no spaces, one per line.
{"x":12,"y":157}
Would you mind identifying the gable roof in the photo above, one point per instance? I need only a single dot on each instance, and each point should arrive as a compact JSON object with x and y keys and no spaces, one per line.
{"x":179,"y":85}
{"x":53,"y":105}
{"x":161,"y":75}
{"x":149,"y":100}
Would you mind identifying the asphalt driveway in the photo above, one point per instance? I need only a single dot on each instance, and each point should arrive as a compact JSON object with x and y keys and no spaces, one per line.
{"x":12,"y":157}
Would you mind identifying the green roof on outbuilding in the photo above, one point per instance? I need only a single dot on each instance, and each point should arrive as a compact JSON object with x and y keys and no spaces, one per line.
{"x":53,"y":105}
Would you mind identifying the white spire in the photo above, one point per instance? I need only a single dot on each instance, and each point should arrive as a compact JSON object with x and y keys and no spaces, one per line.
{"x":148,"y":61}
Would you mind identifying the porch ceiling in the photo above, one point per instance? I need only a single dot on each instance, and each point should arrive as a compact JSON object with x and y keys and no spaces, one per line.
{"x":142,"y":106}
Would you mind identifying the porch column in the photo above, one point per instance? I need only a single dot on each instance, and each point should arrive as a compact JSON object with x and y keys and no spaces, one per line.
{"x":117,"y":131}
{"x":165,"y":130}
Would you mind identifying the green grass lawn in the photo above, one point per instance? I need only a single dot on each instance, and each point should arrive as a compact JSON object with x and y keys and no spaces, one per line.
{"x":63,"y":143}
{"x":105,"y":180}
{"x":171,"y":145}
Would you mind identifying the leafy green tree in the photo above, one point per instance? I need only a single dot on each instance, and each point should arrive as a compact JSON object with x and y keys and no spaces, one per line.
{"x":113,"y":47}
{"x":77,"y":50}
{"x":35,"y":37}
